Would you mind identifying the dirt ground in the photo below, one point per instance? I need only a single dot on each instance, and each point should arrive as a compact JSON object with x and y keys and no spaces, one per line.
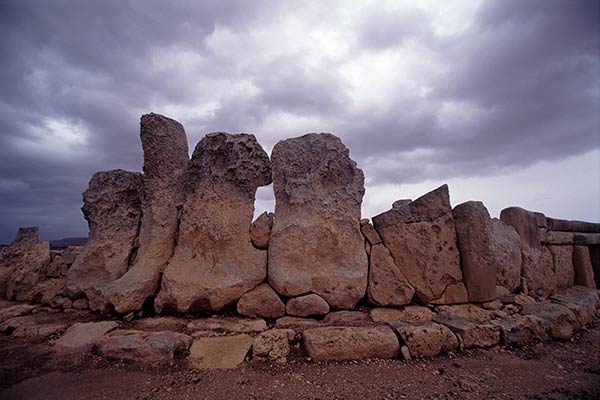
{"x":551,"y":370}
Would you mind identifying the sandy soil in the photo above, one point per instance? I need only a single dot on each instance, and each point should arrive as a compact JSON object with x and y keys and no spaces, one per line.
{"x":551,"y":370}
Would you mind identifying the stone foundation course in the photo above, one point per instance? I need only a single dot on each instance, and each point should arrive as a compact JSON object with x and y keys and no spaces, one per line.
{"x":176,"y":268}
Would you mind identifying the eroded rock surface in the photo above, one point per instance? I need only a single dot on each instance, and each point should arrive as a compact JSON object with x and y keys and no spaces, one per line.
{"x":260,"y":231}
{"x":214,"y":262}
{"x":140,"y":346}
{"x":506,"y":251}
{"x":81,"y":337}
{"x":303,"y":306}
{"x":316,"y":243}
{"x":223,"y":352}
{"x":421,"y":238}
{"x":350,"y":343}
{"x":112,"y":207}
{"x":387,"y":284}
{"x":165,"y":159}
{"x":425,"y":339}
{"x":475,"y":242}
{"x":23,"y":265}
{"x":261,"y":302}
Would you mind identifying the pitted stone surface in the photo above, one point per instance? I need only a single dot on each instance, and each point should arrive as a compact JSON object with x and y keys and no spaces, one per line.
{"x":475,"y":243}
{"x":214,"y":262}
{"x":112,"y":207}
{"x":520,"y":330}
{"x":526,"y":224}
{"x":506,"y":251}
{"x":425,"y":339}
{"x":165,"y":160}
{"x":316,"y":243}
{"x":561,"y":321}
{"x":387,"y":284}
{"x":421,"y":238}
{"x":140,"y":346}
{"x":25,"y":261}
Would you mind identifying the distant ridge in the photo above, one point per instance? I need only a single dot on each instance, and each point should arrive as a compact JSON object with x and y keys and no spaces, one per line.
{"x":72,"y":241}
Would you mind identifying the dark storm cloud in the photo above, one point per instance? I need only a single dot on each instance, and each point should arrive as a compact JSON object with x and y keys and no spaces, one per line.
{"x":520,"y":85}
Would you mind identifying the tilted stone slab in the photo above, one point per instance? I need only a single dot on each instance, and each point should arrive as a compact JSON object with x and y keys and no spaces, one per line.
{"x":112,"y":207}
{"x":316,"y":243}
{"x":421,"y":238}
{"x":475,"y":243}
{"x":427,"y":339}
{"x":141,"y":346}
{"x":387,"y":284}
{"x":165,"y":159}
{"x":350,"y":343}
{"x":214,"y":262}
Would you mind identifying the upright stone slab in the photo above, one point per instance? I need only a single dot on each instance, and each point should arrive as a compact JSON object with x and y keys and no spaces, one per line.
{"x":421,"y":238}
{"x":165,"y":159}
{"x":387,"y":284}
{"x":25,"y":262}
{"x":214,"y":262}
{"x":475,"y":242}
{"x":582,"y":263}
{"x":316,"y":243}
{"x":526,"y":224}
{"x":112,"y":207}
{"x":564,"y":272}
{"x":506,"y":250}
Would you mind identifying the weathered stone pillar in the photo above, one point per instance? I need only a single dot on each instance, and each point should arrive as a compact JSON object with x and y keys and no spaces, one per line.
{"x":316,"y":244}
{"x":214,"y":262}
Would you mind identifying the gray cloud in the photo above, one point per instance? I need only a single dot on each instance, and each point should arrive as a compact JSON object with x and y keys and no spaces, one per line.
{"x":518,"y":86}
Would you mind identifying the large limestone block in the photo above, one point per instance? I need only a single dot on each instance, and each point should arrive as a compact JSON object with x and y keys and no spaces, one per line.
{"x":140,"y":346}
{"x":472,"y":333}
{"x":520,"y":330}
{"x":506,"y":251}
{"x":526,"y":224}
{"x":214,"y":262}
{"x":564,"y":272}
{"x":224,"y":352}
{"x":350,"y":343}
{"x":316,"y":243}
{"x":560,"y":320}
{"x":227,"y":325}
{"x":475,"y":243}
{"x":421,"y":238}
{"x":582,"y":264}
{"x":426,"y":339}
{"x":409,"y":314}
{"x":387,"y":284}
{"x":26,"y":260}
{"x":165,"y":159}
{"x":112,"y":207}
{"x":82,"y":336}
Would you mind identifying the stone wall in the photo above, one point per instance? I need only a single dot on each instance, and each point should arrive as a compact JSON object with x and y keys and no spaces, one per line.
{"x":179,"y":238}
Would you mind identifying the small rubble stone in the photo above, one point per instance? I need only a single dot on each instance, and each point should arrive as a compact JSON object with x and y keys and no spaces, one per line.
{"x":228,"y":325}
{"x":35,"y":326}
{"x":223,"y":352}
{"x":350,"y":343}
{"x":80,"y":304}
{"x":425,"y":339}
{"x":16,"y":310}
{"x":370,"y":234}
{"x":81,"y":337}
{"x":405,"y":352}
{"x":272,"y":345}
{"x":140,"y":346}
{"x":467,"y":311}
{"x":261,"y":302}
{"x":161,"y":324}
{"x":303,"y":306}
{"x":492,"y":305}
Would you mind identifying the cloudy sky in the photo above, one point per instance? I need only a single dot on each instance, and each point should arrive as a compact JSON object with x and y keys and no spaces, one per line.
{"x":500,"y":99}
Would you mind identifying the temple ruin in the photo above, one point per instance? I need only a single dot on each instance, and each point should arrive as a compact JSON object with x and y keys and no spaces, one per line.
{"x":178,"y":239}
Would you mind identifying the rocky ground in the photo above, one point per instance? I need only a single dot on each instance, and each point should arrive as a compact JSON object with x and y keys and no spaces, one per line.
{"x":549,"y":370}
